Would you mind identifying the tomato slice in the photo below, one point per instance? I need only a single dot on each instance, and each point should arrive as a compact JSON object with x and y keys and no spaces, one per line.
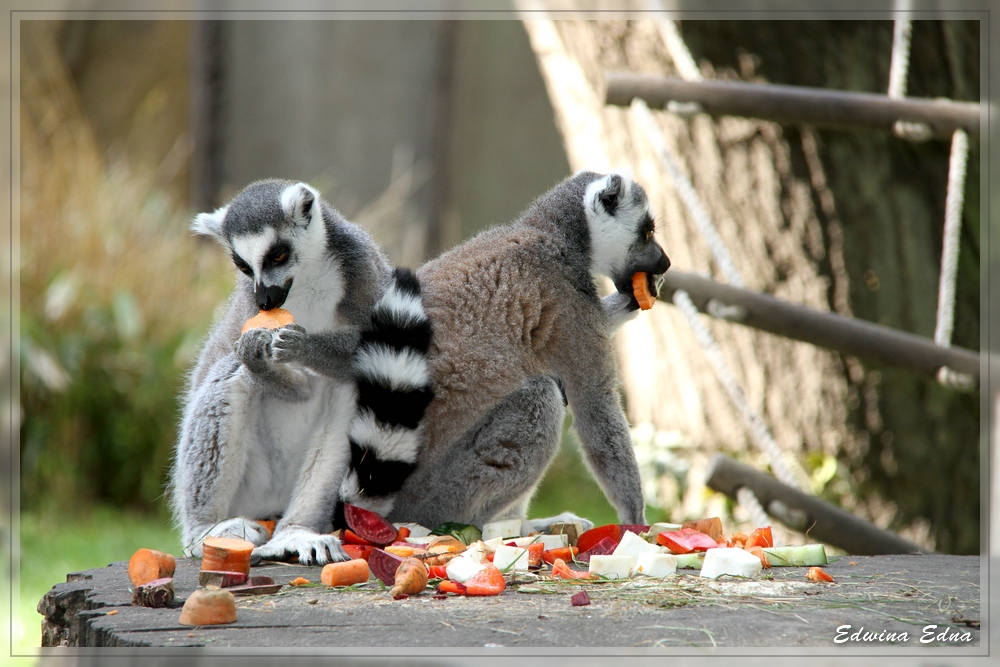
{"x":535,"y":554}
{"x":595,"y":535}
{"x":437,"y":571}
{"x":488,"y":581}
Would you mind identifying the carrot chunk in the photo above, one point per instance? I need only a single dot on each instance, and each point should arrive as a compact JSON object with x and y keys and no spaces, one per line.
{"x":147,"y":565}
{"x":226,"y":554}
{"x":346,"y":573}
{"x":640,"y":289}
{"x":818,"y":574}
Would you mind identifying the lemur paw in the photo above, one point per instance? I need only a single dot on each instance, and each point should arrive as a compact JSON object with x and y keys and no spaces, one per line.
{"x":289,"y":343}
{"x":543,"y":525}
{"x":311,"y":548}
{"x":254,"y":349}
{"x":237,"y":527}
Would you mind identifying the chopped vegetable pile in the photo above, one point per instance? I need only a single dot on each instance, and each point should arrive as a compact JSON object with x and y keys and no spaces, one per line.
{"x":460,"y":560}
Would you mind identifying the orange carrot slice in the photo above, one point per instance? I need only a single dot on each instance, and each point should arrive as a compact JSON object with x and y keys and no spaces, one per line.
{"x":818,"y":574}
{"x":640,"y":289}
{"x":564,"y":553}
{"x":346,"y":573}
{"x":209,"y":606}
{"x":226,"y":554}
{"x":299,"y":581}
{"x":402,"y":552}
{"x":268,"y":319}
{"x":147,"y":565}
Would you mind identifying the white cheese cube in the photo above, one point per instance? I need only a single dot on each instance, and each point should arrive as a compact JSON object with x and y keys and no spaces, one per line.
{"x":554,"y":541}
{"x":632,"y":545}
{"x":491,"y":545}
{"x":735,"y":562}
{"x":613,"y":567}
{"x":476,"y":551}
{"x":653,"y":564}
{"x":506,"y":528}
{"x":461,"y":568}
{"x":505,"y":557}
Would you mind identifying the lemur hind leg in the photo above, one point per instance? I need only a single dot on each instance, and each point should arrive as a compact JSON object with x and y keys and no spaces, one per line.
{"x":493,"y":469}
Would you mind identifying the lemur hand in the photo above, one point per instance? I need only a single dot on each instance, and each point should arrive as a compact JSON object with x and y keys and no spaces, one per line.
{"x":291,"y":343}
{"x":328,"y":352}
{"x":254,"y":349}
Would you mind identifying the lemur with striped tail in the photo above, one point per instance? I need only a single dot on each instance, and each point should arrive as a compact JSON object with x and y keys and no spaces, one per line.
{"x":276,"y":421}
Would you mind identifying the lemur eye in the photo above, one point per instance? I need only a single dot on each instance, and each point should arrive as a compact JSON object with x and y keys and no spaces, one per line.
{"x":649,"y":235}
{"x":281,"y":257}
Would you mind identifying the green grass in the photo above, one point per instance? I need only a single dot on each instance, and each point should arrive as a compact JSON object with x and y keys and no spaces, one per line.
{"x":53,"y":545}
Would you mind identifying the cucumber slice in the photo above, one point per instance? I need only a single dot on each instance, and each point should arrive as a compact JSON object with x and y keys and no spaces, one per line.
{"x":692,"y":561}
{"x":798,"y":556}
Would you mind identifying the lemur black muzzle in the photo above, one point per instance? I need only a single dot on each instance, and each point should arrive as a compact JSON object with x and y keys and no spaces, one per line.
{"x":269,"y":297}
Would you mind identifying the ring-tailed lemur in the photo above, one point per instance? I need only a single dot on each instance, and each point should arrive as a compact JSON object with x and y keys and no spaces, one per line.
{"x":267,"y":413}
{"x":516,"y":310}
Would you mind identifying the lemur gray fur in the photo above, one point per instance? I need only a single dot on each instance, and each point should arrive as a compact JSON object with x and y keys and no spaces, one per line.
{"x":269,"y":416}
{"x":516,"y":314}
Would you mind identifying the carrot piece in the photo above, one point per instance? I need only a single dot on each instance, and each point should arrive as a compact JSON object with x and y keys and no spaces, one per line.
{"x":818,"y":574}
{"x":759,"y":553}
{"x":561,"y":569}
{"x":402,"y":552}
{"x":449,"y":586}
{"x":147,"y":565}
{"x":739,"y":540}
{"x":640,"y":289}
{"x":345,"y":573}
{"x":402,"y":534}
{"x":268,"y":525}
{"x":564,"y":553}
{"x":226,"y":554}
{"x":209,"y":606}
{"x":488,"y":581}
{"x":268,"y":319}
{"x":299,"y":581}
{"x":410,"y":579}
{"x":760,"y":538}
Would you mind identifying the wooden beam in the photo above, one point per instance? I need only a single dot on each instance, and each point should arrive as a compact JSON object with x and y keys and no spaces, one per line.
{"x":820,"y":520}
{"x":844,"y":334}
{"x":795,"y":104}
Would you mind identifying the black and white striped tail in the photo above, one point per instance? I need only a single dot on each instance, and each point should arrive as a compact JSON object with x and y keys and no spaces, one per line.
{"x":394,"y":390}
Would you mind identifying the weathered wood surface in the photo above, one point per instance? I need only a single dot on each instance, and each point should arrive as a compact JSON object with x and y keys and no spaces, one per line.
{"x":888,"y":594}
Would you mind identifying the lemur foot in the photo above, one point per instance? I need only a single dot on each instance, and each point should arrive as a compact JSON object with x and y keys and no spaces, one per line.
{"x":543,"y":525}
{"x":310,"y":547}
{"x":238,"y":527}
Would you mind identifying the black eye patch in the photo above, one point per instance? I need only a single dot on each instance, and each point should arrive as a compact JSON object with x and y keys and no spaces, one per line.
{"x":278,"y":254}
{"x":240,"y":264}
{"x":646,"y":228}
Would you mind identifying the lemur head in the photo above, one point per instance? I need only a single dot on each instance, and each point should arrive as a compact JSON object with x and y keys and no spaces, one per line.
{"x":621,"y":231}
{"x":271,"y":229}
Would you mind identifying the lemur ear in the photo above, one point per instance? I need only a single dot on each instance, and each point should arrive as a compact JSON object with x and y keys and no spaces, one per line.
{"x":297,"y":201}
{"x":610,"y":196}
{"x":210,"y":224}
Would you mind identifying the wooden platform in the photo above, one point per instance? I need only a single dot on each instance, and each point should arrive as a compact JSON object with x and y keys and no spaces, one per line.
{"x":896,"y":598}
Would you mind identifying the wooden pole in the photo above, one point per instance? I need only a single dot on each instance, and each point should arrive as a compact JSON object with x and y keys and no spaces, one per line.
{"x":795,"y":104}
{"x":820,"y":520}
{"x":843,"y":334}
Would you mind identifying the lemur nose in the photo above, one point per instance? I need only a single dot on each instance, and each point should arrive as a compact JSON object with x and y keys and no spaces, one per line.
{"x":269,"y":297}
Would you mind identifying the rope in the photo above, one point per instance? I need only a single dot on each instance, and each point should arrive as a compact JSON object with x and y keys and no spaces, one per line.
{"x":758,"y":514}
{"x":954,"y":200}
{"x":756,"y":425}
{"x":899,"y":67}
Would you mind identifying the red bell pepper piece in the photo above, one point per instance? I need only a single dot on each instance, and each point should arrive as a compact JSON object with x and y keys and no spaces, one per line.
{"x":350,"y":537}
{"x":595,"y":535}
{"x":357,"y":550}
{"x":760,"y":538}
{"x":602,"y":548}
{"x":565,"y":553}
{"x":685,"y":540}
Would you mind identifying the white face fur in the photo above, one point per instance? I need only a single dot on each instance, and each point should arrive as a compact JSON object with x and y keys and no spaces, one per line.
{"x":612,"y":234}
